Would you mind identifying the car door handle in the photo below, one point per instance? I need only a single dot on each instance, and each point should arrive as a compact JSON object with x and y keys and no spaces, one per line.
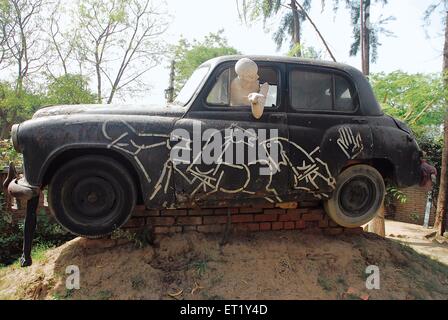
{"x":276,"y":117}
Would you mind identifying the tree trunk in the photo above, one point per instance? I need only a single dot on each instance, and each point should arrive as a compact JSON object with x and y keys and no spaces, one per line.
{"x":440,"y":222}
{"x":296,"y":32}
{"x":98,"y":79}
{"x":365,"y":36}
{"x":6,"y":130}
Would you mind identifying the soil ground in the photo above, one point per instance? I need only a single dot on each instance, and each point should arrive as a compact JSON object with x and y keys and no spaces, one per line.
{"x":272,"y":265}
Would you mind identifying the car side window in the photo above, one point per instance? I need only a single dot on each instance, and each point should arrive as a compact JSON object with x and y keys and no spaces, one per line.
{"x":344,"y":94}
{"x":320,"y":91}
{"x":220,"y":95}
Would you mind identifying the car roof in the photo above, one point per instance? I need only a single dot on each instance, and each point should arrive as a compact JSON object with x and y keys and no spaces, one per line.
{"x":285,"y":59}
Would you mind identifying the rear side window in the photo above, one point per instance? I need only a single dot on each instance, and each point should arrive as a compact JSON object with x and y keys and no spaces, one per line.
{"x":320,"y":91}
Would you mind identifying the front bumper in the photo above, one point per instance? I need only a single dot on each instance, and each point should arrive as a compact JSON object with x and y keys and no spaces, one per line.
{"x":19,"y":188}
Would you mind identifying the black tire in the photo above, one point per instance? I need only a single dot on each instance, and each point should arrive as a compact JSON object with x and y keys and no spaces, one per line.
{"x":358,"y":197}
{"x":91,"y":196}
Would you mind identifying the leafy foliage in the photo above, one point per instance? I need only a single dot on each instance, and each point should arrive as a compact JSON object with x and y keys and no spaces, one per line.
{"x":253,"y":10}
{"x":418,"y":99}
{"x":48,"y":234}
{"x":376,"y":28}
{"x":304,"y":52}
{"x":8,"y":154}
{"x":392,"y":194}
{"x":70,"y":89}
{"x":17,"y":106}
{"x":189,"y":56}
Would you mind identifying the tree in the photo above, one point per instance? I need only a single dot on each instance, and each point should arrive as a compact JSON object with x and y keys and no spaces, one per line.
{"x":16,"y":106}
{"x":189,"y":56}
{"x":365,"y":33}
{"x":291,"y":20}
{"x":417,"y":99}
{"x":62,"y":44}
{"x":70,"y":89}
{"x":120,"y":40}
{"x":21,"y":22}
{"x":441,"y":215}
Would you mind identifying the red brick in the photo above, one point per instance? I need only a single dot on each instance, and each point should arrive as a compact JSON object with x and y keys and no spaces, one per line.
{"x":166,"y":230}
{"x":265,"y":217}
{"x":189,"y":221}
{"x":253,"y":226}
{"x":301,"y":224}
{"x":214,"y":228}
{"x":275,"y":211}
{"x":312,"y":216}
{"x":189,"y":228}
{"x":277,"y":225}
{"x":240,"y":218}
{"x":263,"y":205}
{"x":215,"y":220}
{"x":226,"y":210}
{"x":331,"y":223}
{"x":251,"y":210}
{"x":174,"y":213}
{"x":135,"y":222}
{"x":265,"y":226}
{"x":200,"y":212}
{"x":290,"y":217}
{"x":142,"y":212}
{"x":324,"y":223}
{"x":289,"y":225}
{"x":161,"y":221}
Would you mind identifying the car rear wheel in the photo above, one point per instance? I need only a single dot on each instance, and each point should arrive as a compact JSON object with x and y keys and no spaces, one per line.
{"x":358,"y":196}
{"x":91,"y":196}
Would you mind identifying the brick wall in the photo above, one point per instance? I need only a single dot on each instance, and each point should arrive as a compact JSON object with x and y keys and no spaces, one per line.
{"x":307,"y":215}
{"x":413,"y":210}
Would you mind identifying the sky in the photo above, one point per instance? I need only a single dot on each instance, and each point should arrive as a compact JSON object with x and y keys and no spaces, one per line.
{"x":413,"y":48}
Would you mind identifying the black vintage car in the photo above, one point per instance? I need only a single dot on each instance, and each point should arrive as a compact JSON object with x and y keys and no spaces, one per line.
{"x":331,"y":139}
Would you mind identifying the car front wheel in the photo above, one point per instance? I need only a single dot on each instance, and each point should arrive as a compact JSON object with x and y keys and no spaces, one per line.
{"x":358,"y":196}
{"x":91,"y":196}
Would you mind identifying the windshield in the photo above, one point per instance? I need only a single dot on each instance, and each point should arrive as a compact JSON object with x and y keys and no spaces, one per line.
{"x":191,"y":86}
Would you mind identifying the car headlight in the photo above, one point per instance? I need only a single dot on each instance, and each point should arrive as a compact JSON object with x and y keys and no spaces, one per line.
{"x":15,"y":138}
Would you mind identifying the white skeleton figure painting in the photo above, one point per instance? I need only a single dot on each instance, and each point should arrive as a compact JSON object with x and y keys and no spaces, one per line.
{"x":128,"y":142}
{"x":351,"y":145}
{"x":311,"y":172}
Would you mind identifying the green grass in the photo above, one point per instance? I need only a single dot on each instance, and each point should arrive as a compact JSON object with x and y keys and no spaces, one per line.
{"x":37,"y":254}
{"x":325,"y":283}
{"x":138,"y":283}
{"x":104,"y":295}
{"x":200,"y":266}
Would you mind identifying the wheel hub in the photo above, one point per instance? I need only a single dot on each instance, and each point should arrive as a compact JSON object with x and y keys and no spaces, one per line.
{"x":357,"y":196}
{"x":93,"y":196}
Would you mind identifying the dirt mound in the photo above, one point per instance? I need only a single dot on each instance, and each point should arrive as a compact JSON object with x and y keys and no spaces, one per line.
{"x":283,"y":265}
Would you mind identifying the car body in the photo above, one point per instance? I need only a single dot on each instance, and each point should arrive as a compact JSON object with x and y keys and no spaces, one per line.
{"x":315,"y":144}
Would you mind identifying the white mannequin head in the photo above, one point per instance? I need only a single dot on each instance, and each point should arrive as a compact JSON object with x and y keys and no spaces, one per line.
{"x":247,"y":70}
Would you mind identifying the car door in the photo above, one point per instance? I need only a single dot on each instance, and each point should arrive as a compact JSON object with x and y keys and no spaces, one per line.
{"x":234,"y":157}
{"x":326,"y":129}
